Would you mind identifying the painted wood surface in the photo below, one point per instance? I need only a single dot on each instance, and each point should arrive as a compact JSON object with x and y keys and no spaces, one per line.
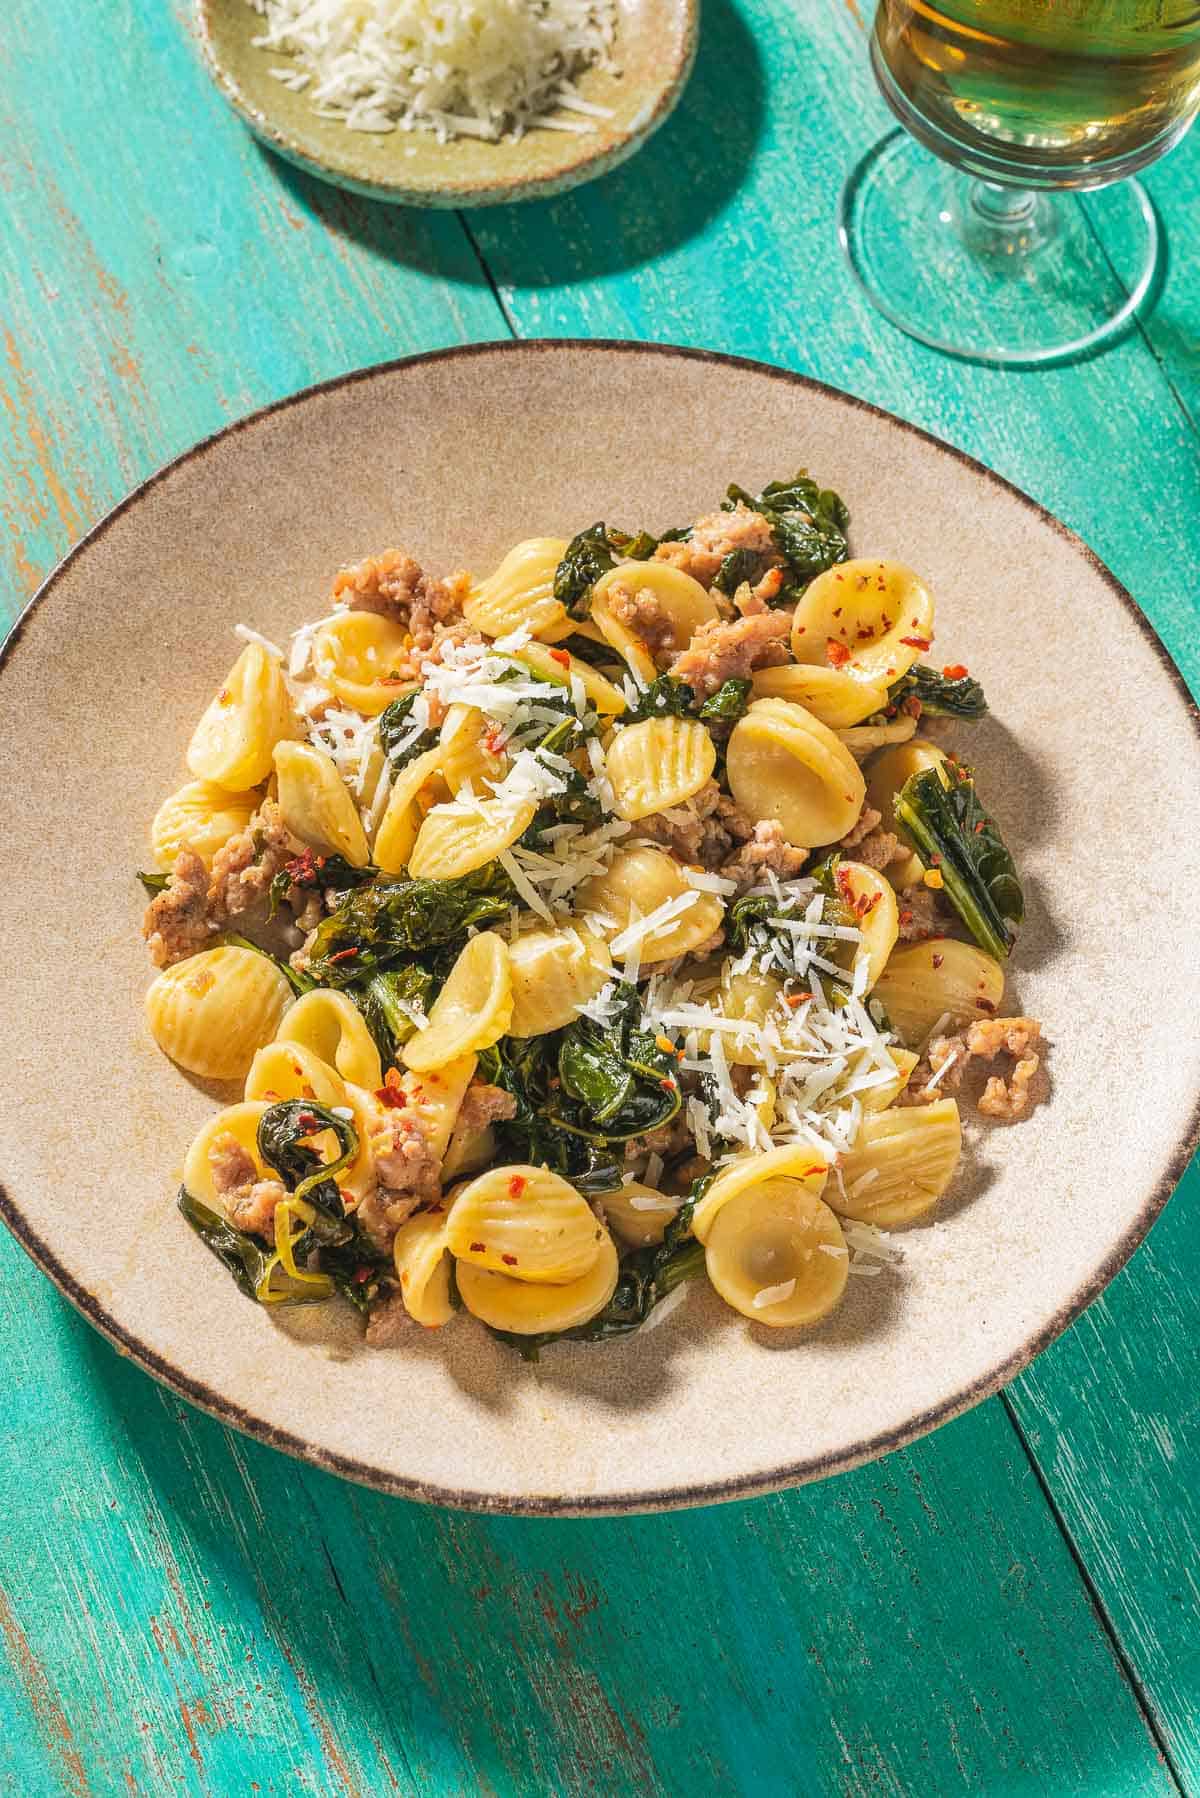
{"x":1010,"y":1606}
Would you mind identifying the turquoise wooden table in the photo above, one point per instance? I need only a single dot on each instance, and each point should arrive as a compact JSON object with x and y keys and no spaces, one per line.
{"x":1010,"y":1607}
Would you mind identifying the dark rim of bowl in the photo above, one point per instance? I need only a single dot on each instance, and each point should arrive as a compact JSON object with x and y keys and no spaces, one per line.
{"x":675,"y":1497}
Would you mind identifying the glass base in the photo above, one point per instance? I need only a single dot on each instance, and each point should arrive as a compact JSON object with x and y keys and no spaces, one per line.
{"x":990,"y":273}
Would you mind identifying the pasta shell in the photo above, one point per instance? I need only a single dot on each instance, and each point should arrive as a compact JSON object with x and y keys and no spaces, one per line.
{"x":657,"y":763}
{"x":238,"y":1121}
{"x":748,"y":998}
{"x":200,"y":817}
{"x":469,"y":1149}
{"x":526,"y":1309}
{"x":873,"y":901}
{"x":315,"y":803}
{"x":212,"y":1012}
{"x":868,"y":619}
{"x":784,"y":764}
{"x":942,"y":978}
{"x":521,"y":592}
{"x":637,"y":1214}
{"x":799,"y":1163}
{"x":527,"y":1223}
{"x":878,"y":1098}
{"x":234,"y":742}
{"x":865,"y":738}
{"x":886,"y":775}
{"x":777,"y":1254}
{"x":554,"y":972}
{"x":681,"y":606}
{"x":283,"y":1070}
{"x":838,"y":700}
{"x":473,"y":1009}
{"x":419,"y":1251}
{"x":901,"y":1164}
{"x":645,"y":879}
{"x":364,"y":659}
{"x":456,"y":839}
{"x":415,"y":791}
{"x":331,"y":1027}
{"x":561,"y":667}
{"x":464,"y":756}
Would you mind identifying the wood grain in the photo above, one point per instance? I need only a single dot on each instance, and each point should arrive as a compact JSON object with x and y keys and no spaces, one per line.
{"x":185,"y":1611}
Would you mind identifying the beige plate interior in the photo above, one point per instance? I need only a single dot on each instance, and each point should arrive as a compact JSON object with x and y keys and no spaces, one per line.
{"x":655,"y":48}
{"x":459,"y":455}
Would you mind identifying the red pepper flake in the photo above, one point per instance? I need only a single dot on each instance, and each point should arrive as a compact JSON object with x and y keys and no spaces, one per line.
{"x":494,"y":739}
{"x":801,"y":628}
{"x":770,"y":584}
{"x":938,"y":960}
{"x":795,"y":999}
{"x":836,"y":653}
{"x":954,"y":671}
{"x":668,"y":1085}
{"x":307,"y":1121}
{"x":986,"y":1005}
{"x":477,"y":1248}
{"x":509,"y":1260}
{"x":936,"y":859}
{"x":837,"y":612}
{"x":302,"y":869}
{"x":561,"y":656}
{"x":818,"y":1168}
{"x":361,"y":1275}
{"x":343,"y":955}
{"x":906,"y":917}
{"x":980,"y":827}
{"x":921,"y":643}
{"x":517,"y":1185}
{"x":392,"y":1091}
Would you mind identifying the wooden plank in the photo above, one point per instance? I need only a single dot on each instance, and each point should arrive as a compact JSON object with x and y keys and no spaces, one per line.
{"x":163,"y":274}
{"x":195,"y":1611}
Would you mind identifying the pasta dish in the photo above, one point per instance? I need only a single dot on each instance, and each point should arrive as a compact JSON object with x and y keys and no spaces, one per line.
{"x":622,"y":917}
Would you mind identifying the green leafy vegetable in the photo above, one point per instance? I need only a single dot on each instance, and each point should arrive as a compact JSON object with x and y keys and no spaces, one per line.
{"x":247,"y":1259}
{"x":393,"y":722}
{"x":635,"y":549}
{"x":665,"y":697}
{"x":646,"y":1277}
{"x":808,"y":524}
{"x":389,"y":921}
{"x":313,"y":873}
{"x":728,"y":703}
{"x":939,"y":812}
{"x":387,"y":1001}
{"x":281,"y":1132}
{"x":942,"y":695}
{"x":588,"y":556}
{"x":621,"y":1082}
{"x":154,"y":883}
{"x":525,"y":1068}
{"x":738,"y":566}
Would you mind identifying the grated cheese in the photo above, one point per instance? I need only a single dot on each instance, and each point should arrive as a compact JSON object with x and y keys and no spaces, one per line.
{"x":458,"y":68}
{"x":773,"y":1295}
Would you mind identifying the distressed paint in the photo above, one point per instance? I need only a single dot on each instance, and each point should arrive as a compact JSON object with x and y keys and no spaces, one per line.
{"x":185,"y":1611}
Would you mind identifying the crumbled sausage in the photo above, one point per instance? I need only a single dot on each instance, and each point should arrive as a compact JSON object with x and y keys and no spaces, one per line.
{"x":920,"y":915}
{"x":428,"y":607}
{"x":182,"y":919}
{"x":484,"y":1104}
{"x":767,"y":850}
{"x":407,"y":1169}
{"x":694,"y":831}
{"x":249,"y":1202}
{"x":640,"y":611}
{"x":716,"y":536}
{"x":722,"y":651}
{"x":175,"y":924}
{"x":1010,"y":1098}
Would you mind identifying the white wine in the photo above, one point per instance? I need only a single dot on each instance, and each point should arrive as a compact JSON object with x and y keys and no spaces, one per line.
{"x":1047,"y":93}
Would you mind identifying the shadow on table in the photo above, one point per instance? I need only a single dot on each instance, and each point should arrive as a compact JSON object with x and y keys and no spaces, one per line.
{"x":667,"y":193}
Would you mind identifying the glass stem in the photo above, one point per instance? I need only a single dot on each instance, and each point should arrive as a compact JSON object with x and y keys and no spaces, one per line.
{"x":1002,"y":224}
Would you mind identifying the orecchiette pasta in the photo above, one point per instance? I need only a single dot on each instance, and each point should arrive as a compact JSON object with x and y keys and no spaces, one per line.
{"x":901,"y":1164}
{"x":554,"y":972}
{"x":776,"y":1253}
{"x":415,"y":791}
{"x":421,"y":1257}
{"x":677,"y":604}
{"x":315,"y":803}
{"x":457,"y":838}
{"x":234,"y":742}
{"x":870,"y":619}
{"x":938,"y":979}
{"x":521,"y":593}
{"x":473,"y":1009}
{"x":200,"y":817}
{"x":838,"y":700}
{"x":330,"y":1025}
{"x":212,"y":1012}
{"x":525,"y":1222}
{"x":657,"y":763}
{"x":361,"y":657}
{"x":527,"y":1309}
{"x":637,"y":884}
{"x":784,"y":764}
{"x":579,"y":994}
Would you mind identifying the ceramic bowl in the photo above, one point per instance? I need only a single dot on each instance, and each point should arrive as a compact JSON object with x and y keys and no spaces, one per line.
{"x":656,"y":48}
{"x":469,"y":451}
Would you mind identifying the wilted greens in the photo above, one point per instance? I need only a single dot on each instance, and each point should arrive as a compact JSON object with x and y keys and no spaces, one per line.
{"x":939,"y":812}
{"x":942,"y":695}
{"x":394,"y":721}
{"x":389,"y":921}
{"x":808,"y":526}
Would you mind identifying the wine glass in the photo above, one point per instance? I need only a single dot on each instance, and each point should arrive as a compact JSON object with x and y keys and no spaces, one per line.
{"x":1022,"y":239}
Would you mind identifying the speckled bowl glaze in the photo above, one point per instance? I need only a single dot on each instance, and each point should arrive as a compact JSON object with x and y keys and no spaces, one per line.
{"x":469,"y":451}
{"x":656,"y":48}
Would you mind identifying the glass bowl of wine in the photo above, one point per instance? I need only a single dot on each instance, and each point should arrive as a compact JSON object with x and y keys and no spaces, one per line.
{"x":1023,"y":237}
